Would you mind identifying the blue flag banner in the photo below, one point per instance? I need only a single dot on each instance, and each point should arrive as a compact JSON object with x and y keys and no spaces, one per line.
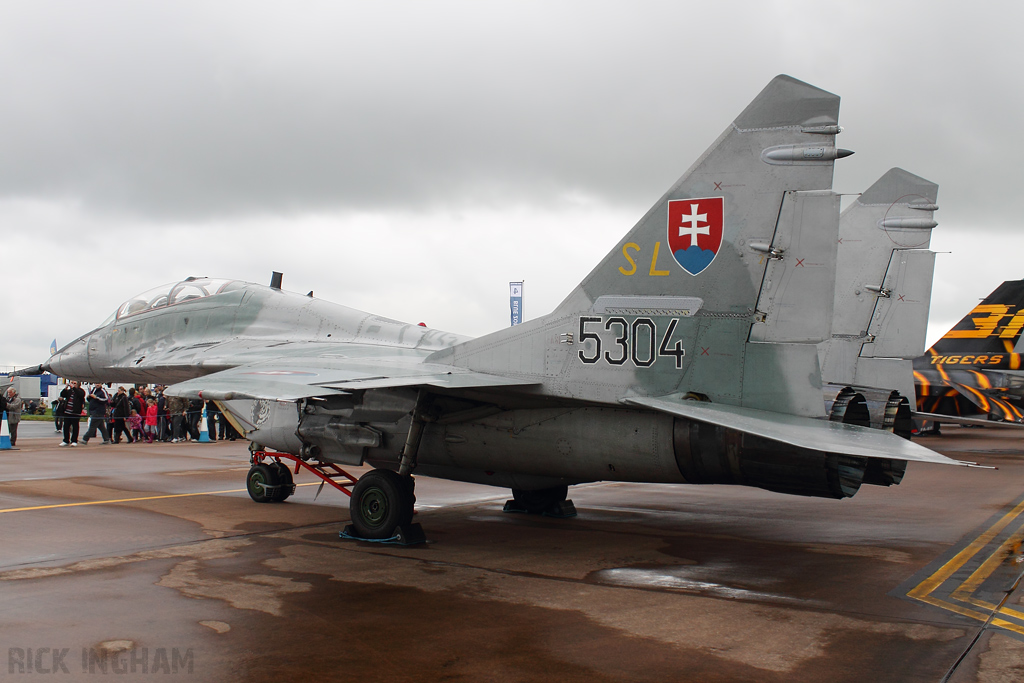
{"x":516,"y":301}
{"x":53,"y":347}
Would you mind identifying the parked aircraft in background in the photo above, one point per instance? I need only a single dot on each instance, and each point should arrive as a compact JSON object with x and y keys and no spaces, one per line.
{"x":973,"y":374}
{"x":690,"y":354}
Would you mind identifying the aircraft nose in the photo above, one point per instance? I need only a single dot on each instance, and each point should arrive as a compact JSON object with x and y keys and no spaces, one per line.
{"x":71,"y":361}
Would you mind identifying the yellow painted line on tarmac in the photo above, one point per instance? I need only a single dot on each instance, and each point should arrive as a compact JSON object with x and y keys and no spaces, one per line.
{"x":964,"y":593}
{"x":973,"y":614}
{"x":1001,"y":623}
{"x":132,"y":500}
{"x":965,"y":590}
{"x":947,"y":570}
{"x":979,"y":616}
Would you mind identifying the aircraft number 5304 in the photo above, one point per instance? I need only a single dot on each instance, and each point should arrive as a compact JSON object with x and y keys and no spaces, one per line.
{"x":631,"y":342}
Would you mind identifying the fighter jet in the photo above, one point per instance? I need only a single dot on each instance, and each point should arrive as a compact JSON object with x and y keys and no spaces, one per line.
{"x":973,"y":374}
{"x":690,"y":354}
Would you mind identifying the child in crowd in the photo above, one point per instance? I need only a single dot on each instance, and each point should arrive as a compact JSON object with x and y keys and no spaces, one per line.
{"x":135,"y":425}
{"x":150,"y":426}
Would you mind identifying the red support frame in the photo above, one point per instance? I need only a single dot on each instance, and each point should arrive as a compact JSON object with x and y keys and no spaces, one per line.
{"x":327,"y":472}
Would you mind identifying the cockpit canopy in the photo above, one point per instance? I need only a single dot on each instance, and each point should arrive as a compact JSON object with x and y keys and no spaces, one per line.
{"x":173,"y":293}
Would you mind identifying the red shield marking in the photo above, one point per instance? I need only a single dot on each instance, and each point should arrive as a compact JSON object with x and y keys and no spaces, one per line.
{"x":695,"y":231}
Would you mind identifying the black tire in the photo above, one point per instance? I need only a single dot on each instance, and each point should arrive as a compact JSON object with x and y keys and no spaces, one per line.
{"x":260,"y":477}
{"x":539,"y":500}
{"x":410,"y":488}
{"x":381,"y":502}
{"x":285,"y":482}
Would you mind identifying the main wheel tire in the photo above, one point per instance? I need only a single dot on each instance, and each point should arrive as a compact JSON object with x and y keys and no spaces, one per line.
{"x":539,"y":500}
{"x":257,"y":481}
{"x":285,"y":482}
{"x":381,"y":501}
{"x":410,"y":488}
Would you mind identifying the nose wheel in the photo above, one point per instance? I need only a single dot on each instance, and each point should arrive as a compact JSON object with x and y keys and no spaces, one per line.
{"x":269,"y":482}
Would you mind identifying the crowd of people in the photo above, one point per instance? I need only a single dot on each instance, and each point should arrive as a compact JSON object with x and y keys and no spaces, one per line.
{"x":140,"y":413}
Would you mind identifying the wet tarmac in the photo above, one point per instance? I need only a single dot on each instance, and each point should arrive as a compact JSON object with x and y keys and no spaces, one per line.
{"x":123,"y":561}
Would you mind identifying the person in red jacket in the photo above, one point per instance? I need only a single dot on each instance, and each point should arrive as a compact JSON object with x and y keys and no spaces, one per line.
{"x":151,"y":419}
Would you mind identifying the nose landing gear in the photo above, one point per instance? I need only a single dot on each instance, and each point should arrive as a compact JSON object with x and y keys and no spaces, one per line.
{"x":381,"y":502}
{"x":270,"y":482}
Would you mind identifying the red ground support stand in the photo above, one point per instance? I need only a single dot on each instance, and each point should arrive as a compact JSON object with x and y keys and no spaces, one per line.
{"x":328,"y":472}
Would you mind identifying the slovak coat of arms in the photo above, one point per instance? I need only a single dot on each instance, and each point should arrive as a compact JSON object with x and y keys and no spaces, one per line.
{"x":695,"y":231}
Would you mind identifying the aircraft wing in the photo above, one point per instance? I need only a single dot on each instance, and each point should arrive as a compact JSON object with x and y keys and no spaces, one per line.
{"x":290,"y":380}
{"x":804,"y":432}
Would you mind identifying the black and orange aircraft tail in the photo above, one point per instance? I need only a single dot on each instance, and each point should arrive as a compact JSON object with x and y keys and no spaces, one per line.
{"x":974,"y":370}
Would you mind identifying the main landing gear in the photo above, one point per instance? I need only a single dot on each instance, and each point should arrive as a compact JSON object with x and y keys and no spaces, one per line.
{"x":381,"y":502}
{"x":548,"y":502}
{"x":382,"y":505}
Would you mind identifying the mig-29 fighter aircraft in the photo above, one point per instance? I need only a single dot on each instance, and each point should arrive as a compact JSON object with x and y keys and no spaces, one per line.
{"x":690,"y":354}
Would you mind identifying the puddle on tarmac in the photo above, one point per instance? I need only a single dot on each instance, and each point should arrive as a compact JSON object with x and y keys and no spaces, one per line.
{"x":693,"y":579}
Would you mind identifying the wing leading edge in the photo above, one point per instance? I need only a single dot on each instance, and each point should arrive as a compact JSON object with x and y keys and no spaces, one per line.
{"x":283,"y":381}
{"x":804,"y":432}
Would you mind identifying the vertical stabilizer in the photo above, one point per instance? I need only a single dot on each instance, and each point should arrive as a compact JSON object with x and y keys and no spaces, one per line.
{"x":883,"y":284}
{"x":964,"y":372}
{"x":747,"y":237}
{"x":696,"y":240}
{"x":992,"y":329}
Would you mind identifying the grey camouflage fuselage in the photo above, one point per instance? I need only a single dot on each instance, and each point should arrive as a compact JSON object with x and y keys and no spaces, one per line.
{"x":689,"y":354}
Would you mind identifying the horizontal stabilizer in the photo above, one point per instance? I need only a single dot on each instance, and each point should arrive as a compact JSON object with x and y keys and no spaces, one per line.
{"x":291,"y":381}
{"x":968,"y":421}
{"x":803,"y":432}
{"x":986,"y":401}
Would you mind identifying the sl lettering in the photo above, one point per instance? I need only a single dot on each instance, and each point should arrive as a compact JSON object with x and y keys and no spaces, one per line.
{"x":653,"y":271}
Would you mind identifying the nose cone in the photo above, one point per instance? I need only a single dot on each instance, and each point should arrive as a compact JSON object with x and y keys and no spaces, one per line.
{"x":71,"y":361}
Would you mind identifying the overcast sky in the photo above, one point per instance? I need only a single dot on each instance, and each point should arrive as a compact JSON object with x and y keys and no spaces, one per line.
{"x":410,"y":158}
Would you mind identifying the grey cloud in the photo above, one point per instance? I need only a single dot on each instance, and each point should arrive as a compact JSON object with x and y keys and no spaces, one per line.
{"x":153,"y":137}
{"x":192,"y":111}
